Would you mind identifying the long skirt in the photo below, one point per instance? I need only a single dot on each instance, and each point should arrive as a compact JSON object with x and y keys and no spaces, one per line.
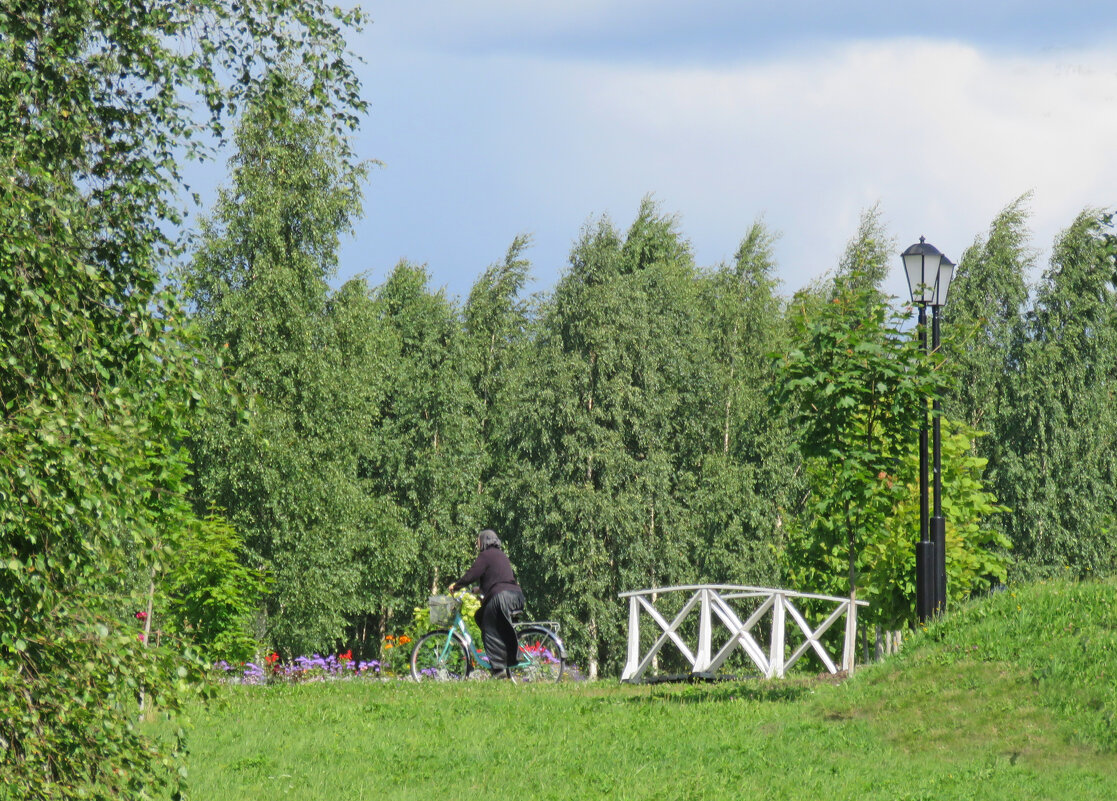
{"x":494,"y":618}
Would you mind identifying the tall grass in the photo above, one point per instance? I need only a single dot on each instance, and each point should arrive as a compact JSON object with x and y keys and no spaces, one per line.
{"x":1009,"y":697}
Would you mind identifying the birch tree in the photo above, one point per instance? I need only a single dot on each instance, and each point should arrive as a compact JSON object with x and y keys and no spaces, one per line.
{"x":99,"y":101}
{"x":1062,"y":419}
{"x":286,"y":476}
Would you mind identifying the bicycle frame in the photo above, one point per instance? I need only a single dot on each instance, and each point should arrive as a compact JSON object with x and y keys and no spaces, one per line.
{"x":477,"y":657}
{"x":459,"y":628}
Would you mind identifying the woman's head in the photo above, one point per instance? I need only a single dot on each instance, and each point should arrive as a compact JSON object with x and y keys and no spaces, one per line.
{"x":487,"y":539}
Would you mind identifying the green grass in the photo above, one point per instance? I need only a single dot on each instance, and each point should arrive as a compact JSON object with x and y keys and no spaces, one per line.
{"x":1011,"y":697}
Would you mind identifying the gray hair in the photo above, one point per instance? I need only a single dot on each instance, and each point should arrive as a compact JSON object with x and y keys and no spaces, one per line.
{"x":487,"y":539}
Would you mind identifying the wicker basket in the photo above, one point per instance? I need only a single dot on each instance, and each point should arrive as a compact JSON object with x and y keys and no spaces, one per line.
{"x":443,"y":609}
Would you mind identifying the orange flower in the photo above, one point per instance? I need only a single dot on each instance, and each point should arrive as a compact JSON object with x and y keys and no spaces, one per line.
{"x":404,"y":640}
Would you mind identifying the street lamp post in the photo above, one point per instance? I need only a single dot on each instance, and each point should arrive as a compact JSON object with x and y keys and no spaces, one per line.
{"x":938,"y":522}
{"x":929,"y":273}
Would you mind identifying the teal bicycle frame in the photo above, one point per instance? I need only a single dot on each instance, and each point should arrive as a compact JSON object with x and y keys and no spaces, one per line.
{"x":451,"y":654}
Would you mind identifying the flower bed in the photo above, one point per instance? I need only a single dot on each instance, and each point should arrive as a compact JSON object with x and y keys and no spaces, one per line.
{"x":395,"y":664}
{"x":301,"y":668}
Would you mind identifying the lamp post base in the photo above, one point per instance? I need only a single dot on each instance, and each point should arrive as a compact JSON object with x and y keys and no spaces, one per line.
{"x":924,"y":580}
{"x":938,"y":540}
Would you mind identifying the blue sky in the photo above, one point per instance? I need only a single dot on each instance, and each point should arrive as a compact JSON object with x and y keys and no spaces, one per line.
{"x":500,"y":117}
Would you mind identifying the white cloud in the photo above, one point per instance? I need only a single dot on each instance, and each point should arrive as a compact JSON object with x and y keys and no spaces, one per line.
{"x":942,"y":134}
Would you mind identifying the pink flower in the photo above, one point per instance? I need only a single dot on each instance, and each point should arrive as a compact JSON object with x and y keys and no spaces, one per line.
{"x":141,"y":615}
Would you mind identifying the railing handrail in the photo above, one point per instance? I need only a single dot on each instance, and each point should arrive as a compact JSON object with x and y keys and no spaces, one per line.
{"x":711,"y":601}
{"x":745,"y":589}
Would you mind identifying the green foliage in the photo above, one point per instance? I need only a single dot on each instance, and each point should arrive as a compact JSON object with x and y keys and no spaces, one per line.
{"x":640,"y":447}
{"x":859,"y":387}
{"x":976,"y":550}
{"x":1033,"y":377}
{"x":496,"y":333}
{"x":421,"y":618}
{"x":208,"y":596}
{"x":983,"y":327}
{"x":742,"y":488}
{"x":1061,"y":472}
{"x":97,"y":381}
{"x":304,"y":358}
{"x":865,"y":263}
{"x":425,"y":458}
{"x":625,"y":430}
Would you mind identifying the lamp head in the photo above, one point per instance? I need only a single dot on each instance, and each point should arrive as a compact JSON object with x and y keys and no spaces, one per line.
{"x":921,"y":264}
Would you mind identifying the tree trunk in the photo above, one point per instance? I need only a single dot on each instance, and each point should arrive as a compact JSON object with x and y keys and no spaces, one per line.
{"x":729,"y":393}
{"x":591,"y":664}
{"x":383,"y":631}
{"x":147,"y":628}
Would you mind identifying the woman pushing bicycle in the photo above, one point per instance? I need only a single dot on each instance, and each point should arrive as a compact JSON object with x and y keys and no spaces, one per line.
{"x":501,"y":596}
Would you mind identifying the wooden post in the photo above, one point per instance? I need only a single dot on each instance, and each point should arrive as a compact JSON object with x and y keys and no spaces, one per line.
{"x":849,"y":651}
{"x":776,"y":648}
{"x":633,"y":659}
{"x":702,"y":659}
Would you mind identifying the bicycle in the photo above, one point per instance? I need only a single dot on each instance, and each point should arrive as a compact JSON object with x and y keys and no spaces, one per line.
{"x":450,"y":654}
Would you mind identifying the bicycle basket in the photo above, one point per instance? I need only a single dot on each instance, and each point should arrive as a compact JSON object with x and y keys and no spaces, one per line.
{"x":443,"y":608}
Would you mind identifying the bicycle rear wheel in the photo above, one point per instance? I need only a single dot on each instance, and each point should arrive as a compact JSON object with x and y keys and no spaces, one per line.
{"x":439,"y":656}
{"x":541,"y":657}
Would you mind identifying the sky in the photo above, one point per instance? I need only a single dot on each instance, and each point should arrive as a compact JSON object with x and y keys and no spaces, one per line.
{"x":496,"y":118}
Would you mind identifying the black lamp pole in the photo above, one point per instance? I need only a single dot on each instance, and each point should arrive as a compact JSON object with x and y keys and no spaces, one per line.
{"x":929,"y":273}
{"x":924,"y":550}
{"x":938,"y":522}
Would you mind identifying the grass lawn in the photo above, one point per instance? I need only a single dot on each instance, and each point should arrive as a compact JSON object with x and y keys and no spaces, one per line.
{"x":1009,"y":698}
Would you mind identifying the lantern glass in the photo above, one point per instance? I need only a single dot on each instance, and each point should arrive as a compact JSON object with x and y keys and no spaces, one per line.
{"x":946,"y":273}
{"x":921,"y":263}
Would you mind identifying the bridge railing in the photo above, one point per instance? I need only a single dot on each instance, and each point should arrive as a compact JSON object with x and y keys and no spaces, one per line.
{"x":772,"y":655}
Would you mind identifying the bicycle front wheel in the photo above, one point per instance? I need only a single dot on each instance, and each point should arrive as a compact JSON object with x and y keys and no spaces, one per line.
{"x":439,"y":656}
{"x":541,"y":657}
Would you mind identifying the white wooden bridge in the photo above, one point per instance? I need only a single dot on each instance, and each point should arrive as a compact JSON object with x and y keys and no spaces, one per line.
{"x":741,"y":611}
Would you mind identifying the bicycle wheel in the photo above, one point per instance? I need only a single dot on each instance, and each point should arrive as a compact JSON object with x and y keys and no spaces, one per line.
{"x":542,"y":656}
{"x":439,"y":656}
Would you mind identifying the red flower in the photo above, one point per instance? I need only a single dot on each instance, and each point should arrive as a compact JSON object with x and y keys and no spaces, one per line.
{"x":141,"y":615}
{"x":347,"y":656}
{"x":271,"y":658}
